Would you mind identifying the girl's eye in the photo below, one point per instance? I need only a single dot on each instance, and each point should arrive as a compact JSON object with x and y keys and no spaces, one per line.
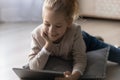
{"x":58,"y":26}
{"x":47,"y":24}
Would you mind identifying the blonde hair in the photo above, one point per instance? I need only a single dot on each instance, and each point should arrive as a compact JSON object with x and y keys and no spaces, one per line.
{"x":69,"y":7}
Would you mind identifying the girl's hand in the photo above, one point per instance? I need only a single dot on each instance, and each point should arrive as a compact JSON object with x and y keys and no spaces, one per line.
{"x":48,"y":42}
{"x":68,"y":76}
{"x":45,"y":36}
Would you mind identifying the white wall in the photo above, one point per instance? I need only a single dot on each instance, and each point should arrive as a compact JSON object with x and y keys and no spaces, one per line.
{"x":30,"y":10}
{"x":20,"y":10}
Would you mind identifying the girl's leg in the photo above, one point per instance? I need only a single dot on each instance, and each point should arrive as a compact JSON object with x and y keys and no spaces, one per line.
{"x":93,"y":44}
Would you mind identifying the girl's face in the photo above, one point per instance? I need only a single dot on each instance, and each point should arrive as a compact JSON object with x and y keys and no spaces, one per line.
{"x":55,"y":24}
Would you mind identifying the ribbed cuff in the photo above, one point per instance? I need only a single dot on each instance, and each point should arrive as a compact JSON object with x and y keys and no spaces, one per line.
{"x":43,"y":50}
{"x":74,"y":70}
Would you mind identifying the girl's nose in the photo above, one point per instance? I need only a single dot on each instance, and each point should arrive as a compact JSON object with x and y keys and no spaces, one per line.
{"x":52,"y":29}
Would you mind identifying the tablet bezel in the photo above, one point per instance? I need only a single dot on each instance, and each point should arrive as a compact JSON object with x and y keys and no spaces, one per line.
{"x":31,"y":74}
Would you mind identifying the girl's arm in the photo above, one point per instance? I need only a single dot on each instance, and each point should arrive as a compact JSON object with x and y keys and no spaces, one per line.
{"x":79,"y":53}
{"x":38,"y":56}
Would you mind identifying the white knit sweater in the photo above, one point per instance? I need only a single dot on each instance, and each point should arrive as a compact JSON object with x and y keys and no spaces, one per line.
{"x":72,"y":46}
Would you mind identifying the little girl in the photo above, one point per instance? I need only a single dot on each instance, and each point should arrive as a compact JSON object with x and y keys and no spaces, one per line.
{"x":59,"y":36}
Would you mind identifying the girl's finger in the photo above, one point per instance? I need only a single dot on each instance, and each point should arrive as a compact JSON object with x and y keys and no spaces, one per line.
{"x":67,"y":73}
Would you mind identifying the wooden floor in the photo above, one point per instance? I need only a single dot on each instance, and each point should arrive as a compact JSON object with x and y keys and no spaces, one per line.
{"x":15,"y":44}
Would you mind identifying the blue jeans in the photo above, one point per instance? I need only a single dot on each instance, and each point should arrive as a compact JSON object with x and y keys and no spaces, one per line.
{"x":93,"y":44}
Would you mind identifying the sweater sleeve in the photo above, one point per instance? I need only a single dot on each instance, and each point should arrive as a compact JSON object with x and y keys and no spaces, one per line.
{"x":79,"y":52}
{"x":38,"y":56}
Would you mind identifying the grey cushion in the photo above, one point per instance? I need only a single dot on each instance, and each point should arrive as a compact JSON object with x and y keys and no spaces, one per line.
{"x":96,"y":66}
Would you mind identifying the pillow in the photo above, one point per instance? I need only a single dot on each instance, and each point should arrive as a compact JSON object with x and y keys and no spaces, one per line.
{"x":96,"y":66}
{"x":97,"y":62}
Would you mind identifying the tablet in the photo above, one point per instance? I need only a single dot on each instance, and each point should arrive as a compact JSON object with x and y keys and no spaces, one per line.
{"x":31,"y":74}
